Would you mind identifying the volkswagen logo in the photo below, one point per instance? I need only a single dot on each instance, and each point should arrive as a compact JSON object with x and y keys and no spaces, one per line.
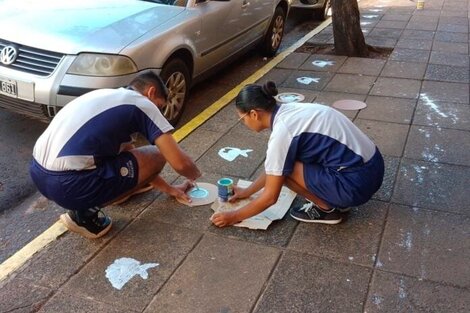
{"x":8,"y":55}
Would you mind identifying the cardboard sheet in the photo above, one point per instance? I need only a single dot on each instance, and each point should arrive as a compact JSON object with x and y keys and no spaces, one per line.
{"x":265,"y":218}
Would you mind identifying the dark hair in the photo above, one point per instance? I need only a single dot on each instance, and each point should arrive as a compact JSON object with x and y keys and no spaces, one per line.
{"x":253,"y":97}
{"x":148,"y":79}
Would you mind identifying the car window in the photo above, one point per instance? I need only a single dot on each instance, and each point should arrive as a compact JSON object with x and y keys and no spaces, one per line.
{"x":180,"y":3}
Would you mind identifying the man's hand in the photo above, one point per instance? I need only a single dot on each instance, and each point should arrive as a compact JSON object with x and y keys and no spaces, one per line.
{"x":222,"y":219}
{"x":179,"y":191}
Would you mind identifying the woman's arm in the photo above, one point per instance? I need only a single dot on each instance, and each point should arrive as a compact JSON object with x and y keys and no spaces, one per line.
{"x":268,"y":197}
{"x":242,"y":193}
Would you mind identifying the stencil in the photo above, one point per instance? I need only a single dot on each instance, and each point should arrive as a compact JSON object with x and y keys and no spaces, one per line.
{"x":308,"y":80}
{"x":321,"y":63}
{"x":230,"y":153}
{"x":287,"y":97}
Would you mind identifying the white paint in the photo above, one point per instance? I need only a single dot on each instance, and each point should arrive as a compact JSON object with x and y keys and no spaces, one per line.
{"x":230,"y":153}
{"x":370,"y":16}
{"x":365,"y":23}
{"x":379,"y":264}
{"x":308,"y":80}
{"x":351,"y":258}
{"x":377,"y":300}
{"x":401,"y":289}
{"x":321,"y":63}
{"x":123,"y":269}
{"x":376,"y":10}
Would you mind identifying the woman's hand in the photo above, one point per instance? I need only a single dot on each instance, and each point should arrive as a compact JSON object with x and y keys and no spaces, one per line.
{"x":238,"y":193}
{"x":222,"y":219}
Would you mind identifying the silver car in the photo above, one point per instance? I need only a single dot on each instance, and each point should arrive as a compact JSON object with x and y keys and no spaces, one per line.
{"x":321,"y":8}
{"x":53,"y":51}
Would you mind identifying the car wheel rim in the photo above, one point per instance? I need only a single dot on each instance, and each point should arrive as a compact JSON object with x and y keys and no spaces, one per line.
{"x":277,"y":32}
{"x":176,"y":85}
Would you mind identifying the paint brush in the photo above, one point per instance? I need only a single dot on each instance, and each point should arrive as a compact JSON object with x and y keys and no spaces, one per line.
{"x":197,"y":187}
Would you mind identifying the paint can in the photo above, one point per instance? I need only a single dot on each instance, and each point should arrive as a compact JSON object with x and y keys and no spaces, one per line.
{"x":420,"y":4}
{"x":225,"y":188}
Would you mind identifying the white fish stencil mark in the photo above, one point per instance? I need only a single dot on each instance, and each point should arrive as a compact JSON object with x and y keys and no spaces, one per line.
{"x":230,"y":154}
{"x":123,"y":269}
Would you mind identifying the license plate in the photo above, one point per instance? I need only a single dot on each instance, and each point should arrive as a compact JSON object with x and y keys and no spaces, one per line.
{"x":8,"y":87}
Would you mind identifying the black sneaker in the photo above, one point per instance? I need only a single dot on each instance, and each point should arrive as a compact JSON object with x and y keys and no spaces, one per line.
{"x":87,"y":223}
{"x":311,"y":213}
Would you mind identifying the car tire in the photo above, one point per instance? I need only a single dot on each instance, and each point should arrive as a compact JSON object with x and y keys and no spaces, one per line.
{"x":175,"y":75}
{"x":275,"y":32}
{"x":323,"y":13}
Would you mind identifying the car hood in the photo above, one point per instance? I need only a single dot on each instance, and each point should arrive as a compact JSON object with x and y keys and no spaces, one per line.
{"x":73,"y":26}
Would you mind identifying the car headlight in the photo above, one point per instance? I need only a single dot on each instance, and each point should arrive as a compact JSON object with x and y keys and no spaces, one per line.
{"x":102,"y":65}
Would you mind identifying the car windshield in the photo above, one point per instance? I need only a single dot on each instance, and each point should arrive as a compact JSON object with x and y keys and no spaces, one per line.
{"x":180,"y":3}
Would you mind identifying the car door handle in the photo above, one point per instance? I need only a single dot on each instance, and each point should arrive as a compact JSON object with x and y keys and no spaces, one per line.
{"x":245,"y":4}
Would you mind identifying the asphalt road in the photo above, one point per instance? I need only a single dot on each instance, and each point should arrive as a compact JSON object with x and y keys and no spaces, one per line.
{"x":22,"y":213}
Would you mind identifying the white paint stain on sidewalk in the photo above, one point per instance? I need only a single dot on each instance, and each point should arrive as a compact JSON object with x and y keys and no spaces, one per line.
{"x":123,"y":269}
{"x":230,"y":153}
{"x":308,"y":80}
{"x":321,"y":63}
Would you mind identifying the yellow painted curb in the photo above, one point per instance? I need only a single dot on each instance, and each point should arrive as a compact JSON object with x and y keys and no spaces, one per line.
{"x":24,"y":254}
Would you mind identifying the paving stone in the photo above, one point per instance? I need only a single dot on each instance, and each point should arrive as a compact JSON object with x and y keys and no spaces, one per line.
{"x":386,"y":32}
{"x":320,"y":39}
{"x":381,"y":42}
{"x":451,"y":37}
{"x":391,"y":169}
{"x":455,"y":47}
{"x":364,"y":66}
{"x":426,"y":185}
{"x":22,"y":296}
{"x":389,"y":137}
{"x":354,"y":241}
{"x":277,"y":75}
{"x":199,"y":141}
{"x":454,"y":20}
{"x":410,"y":55}
{"x":278,"y":233}
{"x":392,"y":24}
{"x":294,"y":60}
{"x":223,"y":121}
{"x":316,"y":63}
{"x":395,"y":293}
{"x":452,"y":28}
{"x":435,"y":144}
{"x":442,"y":114}
{"x":417,"y":34}
{"x":432,"y":91}
{"x":430,"y":26}
{"x":216,"y":276}
{"x":303,"y":283}
{"x":423,"y":44}
{"x":447,"y":73}
{"x":404,"y":70}
{"x":396,"y":17}
{"x":396,"y":87}
{"x":447,"y":58}
{"x":427,"y":14}
{"x":351,"y":83}
{"x":388,"y":109}
{"x":63,"y":302}
{"x":418,"y":243}
{"x":60,"y":260}
{"x":312,"y":80}
{"x":146,"y":242}
{"x":454,"y":12}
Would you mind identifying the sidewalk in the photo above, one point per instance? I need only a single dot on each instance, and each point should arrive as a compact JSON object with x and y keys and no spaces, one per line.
{"x":406,"y":250}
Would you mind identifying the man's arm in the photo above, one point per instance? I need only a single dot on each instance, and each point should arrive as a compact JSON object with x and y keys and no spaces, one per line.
{"x":176,"y":157}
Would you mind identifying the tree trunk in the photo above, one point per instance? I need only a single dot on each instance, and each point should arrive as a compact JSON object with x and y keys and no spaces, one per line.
{"x":347,"y":33}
